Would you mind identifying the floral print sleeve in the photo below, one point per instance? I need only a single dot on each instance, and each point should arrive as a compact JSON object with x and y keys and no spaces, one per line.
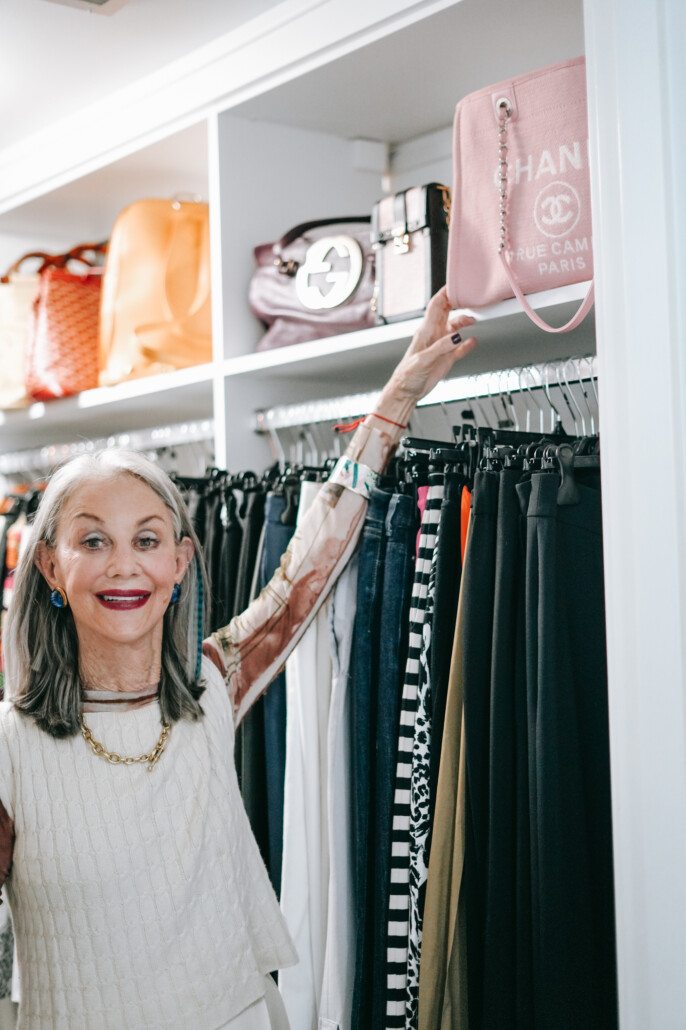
{"x":254,"y":646}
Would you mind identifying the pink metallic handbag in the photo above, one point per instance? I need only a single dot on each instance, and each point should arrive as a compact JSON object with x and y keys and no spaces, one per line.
{"x":316,"y":281}
{"x":521,"y":205}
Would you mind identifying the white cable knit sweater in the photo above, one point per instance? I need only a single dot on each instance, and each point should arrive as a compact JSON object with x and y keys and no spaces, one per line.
{"x":140,"y":900}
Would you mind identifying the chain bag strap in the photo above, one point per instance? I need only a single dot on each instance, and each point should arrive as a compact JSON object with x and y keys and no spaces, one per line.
{"x":504,"y":113}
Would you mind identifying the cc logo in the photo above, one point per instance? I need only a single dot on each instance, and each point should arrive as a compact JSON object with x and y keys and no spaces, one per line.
{"x":557,"y":209}
{"x":341,"y":282}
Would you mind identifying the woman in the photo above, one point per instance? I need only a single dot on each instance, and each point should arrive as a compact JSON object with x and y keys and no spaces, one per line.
{"x":138,"y":894}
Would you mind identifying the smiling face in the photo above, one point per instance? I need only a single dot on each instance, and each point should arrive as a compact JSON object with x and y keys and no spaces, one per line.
{"x":116,"y":558}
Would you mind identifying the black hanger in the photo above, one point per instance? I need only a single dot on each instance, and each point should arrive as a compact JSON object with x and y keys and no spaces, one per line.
{"x":562,"y":459}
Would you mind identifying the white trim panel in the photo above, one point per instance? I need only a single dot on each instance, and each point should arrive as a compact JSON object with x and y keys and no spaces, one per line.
{"x":637,"y":78}
{"x":286,"y":41}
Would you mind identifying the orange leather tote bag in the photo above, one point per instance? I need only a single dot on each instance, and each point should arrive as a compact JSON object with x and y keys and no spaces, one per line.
{"x":62,"y":351}
{"x":155,"y":313}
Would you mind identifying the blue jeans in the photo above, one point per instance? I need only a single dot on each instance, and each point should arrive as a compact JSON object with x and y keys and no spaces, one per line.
{"x":276,"y":539}
{"x":362,"y":686}
{"x":384,"y":585}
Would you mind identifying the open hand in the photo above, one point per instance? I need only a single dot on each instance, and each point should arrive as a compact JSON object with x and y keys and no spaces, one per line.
{"x":429,"y":358}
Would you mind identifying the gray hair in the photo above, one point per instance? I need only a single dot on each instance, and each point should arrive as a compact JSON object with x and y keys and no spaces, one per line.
{"x":40,"y":644}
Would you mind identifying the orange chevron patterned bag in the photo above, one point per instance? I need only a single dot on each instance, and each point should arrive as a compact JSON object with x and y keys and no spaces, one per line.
{"x":63,"y":347}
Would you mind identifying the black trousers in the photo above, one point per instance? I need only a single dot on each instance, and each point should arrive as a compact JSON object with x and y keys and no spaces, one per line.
{"x":224,"y":583}
{"x":478,"y":584}
{"x":251,"y":763}
{"x":507,"y":967}
{"x":538,"y":879}
{"x":568,"y":758}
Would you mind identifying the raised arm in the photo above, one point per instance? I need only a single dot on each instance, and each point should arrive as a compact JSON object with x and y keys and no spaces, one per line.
{"x":254,"y":646}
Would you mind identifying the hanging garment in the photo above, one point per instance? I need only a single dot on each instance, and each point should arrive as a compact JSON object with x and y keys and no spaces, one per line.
{"x":401,"y":535}
{"x":448,"y":577}
{"x":252,"y":515}
{"x":363,"y":689}
{"x":305,"y":869}
{"x":276,"y":538}
{"x":478,"y":590}
{"x":398,"y":910}
{"x":443,"y":990}
{"x":335,"y":1008}
{"x":212,"y":537}
{"x":224,"y":586}
{"x":420,"y":810}
{"x":508,"y":987}
{"x":194,"y":496}
{"x":6,"y":948}
{"x":251,"y":762}
{"x":569,"y":775}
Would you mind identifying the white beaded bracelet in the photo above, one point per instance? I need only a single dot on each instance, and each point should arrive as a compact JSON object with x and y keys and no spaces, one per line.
{"x":361,"y":479}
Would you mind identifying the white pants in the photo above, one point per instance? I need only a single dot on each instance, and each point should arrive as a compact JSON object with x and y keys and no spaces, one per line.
{"x":305,"y":875}
{"x":335,"y":1009}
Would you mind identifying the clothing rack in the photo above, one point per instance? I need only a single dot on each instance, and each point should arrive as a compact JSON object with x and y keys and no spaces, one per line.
{"x":533,"y":380}
{"x":46,"y":458}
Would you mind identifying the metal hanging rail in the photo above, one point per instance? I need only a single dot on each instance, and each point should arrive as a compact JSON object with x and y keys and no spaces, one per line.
{"x":552,"y":374}
{"x":46,"y":458}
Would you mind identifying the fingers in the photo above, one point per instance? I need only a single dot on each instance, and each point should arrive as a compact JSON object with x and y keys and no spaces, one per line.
{"x":463,"y":349}
{"x":439,"y":305}
{"x":435,"y":362}
{"x":437,"y":321}
{"x":447,"y":346}
{"x":459,"y":321}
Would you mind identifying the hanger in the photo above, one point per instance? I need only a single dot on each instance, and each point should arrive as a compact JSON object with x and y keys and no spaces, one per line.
{"x":528,"y":394}
{"x":561,"y":458}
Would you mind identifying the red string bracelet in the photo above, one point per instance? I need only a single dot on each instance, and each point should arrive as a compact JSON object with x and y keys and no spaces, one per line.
{"x":384,"y":419}
{"x":349,"y":426}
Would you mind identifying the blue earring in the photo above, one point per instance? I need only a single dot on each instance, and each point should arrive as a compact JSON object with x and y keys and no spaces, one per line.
{"x":175,"y":594}
{"x":58,"y":598}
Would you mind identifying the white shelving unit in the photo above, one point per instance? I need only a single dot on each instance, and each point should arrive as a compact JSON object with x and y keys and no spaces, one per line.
{"x":317,"y":107}
{"x":317,"y":123}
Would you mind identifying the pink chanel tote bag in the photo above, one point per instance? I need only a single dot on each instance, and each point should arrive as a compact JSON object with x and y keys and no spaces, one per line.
{"x":521,"y":215}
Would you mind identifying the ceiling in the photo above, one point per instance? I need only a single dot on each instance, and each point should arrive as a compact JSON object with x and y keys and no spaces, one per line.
{"x":407,"y":83}
{"x":55,"y":59}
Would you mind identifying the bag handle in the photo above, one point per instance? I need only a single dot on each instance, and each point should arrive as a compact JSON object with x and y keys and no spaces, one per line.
{"x":504,"y":111}
{"x":574,"y":321}
{"x":298,"y":230}
{"x":77,"y":253}
{"x":58,"y":260}
{"x":47,"y":260}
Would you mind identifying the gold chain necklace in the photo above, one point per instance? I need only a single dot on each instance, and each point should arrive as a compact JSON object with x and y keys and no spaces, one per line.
{"x":116,"y":759}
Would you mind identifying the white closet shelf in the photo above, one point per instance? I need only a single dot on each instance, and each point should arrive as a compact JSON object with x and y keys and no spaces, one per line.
{"x":141,"y":403}
{"x":352,"y":361}
{"x":374,"y":352}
